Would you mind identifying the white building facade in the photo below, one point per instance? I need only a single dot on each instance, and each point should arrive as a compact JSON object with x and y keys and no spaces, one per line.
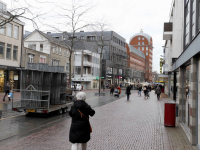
{"x":86,"y":69}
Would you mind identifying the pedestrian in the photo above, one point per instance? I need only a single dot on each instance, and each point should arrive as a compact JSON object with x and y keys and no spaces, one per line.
{"x":80,"y":127}
{"x":7,"y":90}
{"x":128,"y":91}
{"x":139,"y":90}
{"x":158,"y":92}
{"x":145,"y":91}
{"x":119,"y":89}
{"x":111,"y":89}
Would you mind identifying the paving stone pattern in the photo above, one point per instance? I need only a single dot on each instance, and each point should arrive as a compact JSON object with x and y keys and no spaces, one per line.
{"x":121,"y":125}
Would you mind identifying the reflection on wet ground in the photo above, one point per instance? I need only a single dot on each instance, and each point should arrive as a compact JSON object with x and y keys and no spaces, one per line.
{"x":19,"y":126}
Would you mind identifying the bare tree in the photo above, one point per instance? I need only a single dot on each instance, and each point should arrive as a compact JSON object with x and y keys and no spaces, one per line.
{"x":73,"y":20}
{"x":101,"y":41}
{"x":23,"y":11}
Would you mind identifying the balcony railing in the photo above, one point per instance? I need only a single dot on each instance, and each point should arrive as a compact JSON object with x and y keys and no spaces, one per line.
{"x":45,"y":67}
{"x":87,"y":63}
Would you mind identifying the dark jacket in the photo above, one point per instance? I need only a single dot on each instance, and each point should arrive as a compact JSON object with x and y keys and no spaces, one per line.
{"x":80,"y":128}
{"x":158,"y":90}
{"x":128,"y":90}
{"x":140,"y":88}
{"x":7,"y":87}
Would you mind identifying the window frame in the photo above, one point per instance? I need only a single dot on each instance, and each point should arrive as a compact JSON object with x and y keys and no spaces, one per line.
{"x":16,"y":31}
{"x":10,"y":46}
{"x":3,"y":45}
{"x":11,"y":30}
{"x":14,"y":49}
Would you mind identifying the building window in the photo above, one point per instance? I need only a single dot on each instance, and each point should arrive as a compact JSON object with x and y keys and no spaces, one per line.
{"x":32,"y":46}
{"x":41,"y":47}
{"x":54,"y":49}
{"x":146,"y":53}
{"x":142,"y":48}
{"x":16,"y":32}
{"x":3,"y":28}
{"x":138,"y":48}
{"x":9,"y":29}
{"x":67,"y":67}
{"x":199,"y":15}
{"x":60,"y":51}
{"x":138,"y":38}
{"x":82,"y":37}
{"x":193,"y":18}
{"x":77,"y":70}
{"x":2,"y":7}
{"x":42,"y":59}
{"x":15,"y":52}
{"x":65,"y":52}
{"x":138,"y":43}
{"x":2,"y":48}
{"x":142,"y":38}
{"x":30,"y":58}
{"x":142,"y":43}
{"x":57,"y":50}
{"x":8,"y":52}
{"x":146,"y":48}
{"x":55,"y":62}
{"x":90,"y":38}
{"x":187,"y":24}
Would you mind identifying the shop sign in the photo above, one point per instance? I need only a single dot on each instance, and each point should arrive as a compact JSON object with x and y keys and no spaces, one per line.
{"x":15,"y":77}
{"x":3,"y":67}
{"x":2,"y":75}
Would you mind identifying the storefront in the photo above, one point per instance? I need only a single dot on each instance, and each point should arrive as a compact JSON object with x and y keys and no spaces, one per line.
{"x":11,"y":75}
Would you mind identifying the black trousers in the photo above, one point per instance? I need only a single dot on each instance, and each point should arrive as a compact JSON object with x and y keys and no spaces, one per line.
{"x":6,"y":92}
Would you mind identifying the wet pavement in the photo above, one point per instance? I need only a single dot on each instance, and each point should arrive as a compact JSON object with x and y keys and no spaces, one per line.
{"x":17,"y":125}
{"x":118,"y":125}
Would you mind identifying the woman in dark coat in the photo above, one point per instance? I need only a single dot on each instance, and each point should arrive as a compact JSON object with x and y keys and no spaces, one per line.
{"x":80,"y":126}
{"x":128,"y":91}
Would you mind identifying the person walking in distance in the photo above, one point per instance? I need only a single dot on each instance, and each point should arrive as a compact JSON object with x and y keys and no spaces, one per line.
{"x":158,"y":92}
{"x":139,"y":90}
{"x":128,"y":91}
{"x":111,"y":89}
{"x":145,"y":91}
{"x":80,"y":126}
{"x":7,"y":90}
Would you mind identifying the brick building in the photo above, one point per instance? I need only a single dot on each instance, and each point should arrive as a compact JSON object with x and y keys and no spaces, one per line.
{"x":136,"y":64}
{"x":144,"y":43}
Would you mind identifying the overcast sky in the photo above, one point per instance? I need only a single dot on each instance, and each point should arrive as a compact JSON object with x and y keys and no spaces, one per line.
{"x":126,"y":17}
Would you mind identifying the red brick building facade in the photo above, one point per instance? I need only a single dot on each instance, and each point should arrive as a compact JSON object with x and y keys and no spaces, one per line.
{"x":136,"y":63}
{"x":143,"y":42}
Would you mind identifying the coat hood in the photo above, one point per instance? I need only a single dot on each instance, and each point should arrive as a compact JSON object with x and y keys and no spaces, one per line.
{"x":80,"y":104}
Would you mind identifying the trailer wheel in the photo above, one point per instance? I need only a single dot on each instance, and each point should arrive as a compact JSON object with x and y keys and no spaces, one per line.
{"x":60,"y":111}
{"x":64,"y":110}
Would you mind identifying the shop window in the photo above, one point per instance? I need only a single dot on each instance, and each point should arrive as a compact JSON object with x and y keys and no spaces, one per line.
{"x":16,"y":32}
{"x":187,"y":94}
{"x":15,"y":52}
{"x":8,"y":51}
{"x":2,"y":49}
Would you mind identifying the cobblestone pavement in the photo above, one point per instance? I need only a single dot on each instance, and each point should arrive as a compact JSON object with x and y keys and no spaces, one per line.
{"x":121,"y":125}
